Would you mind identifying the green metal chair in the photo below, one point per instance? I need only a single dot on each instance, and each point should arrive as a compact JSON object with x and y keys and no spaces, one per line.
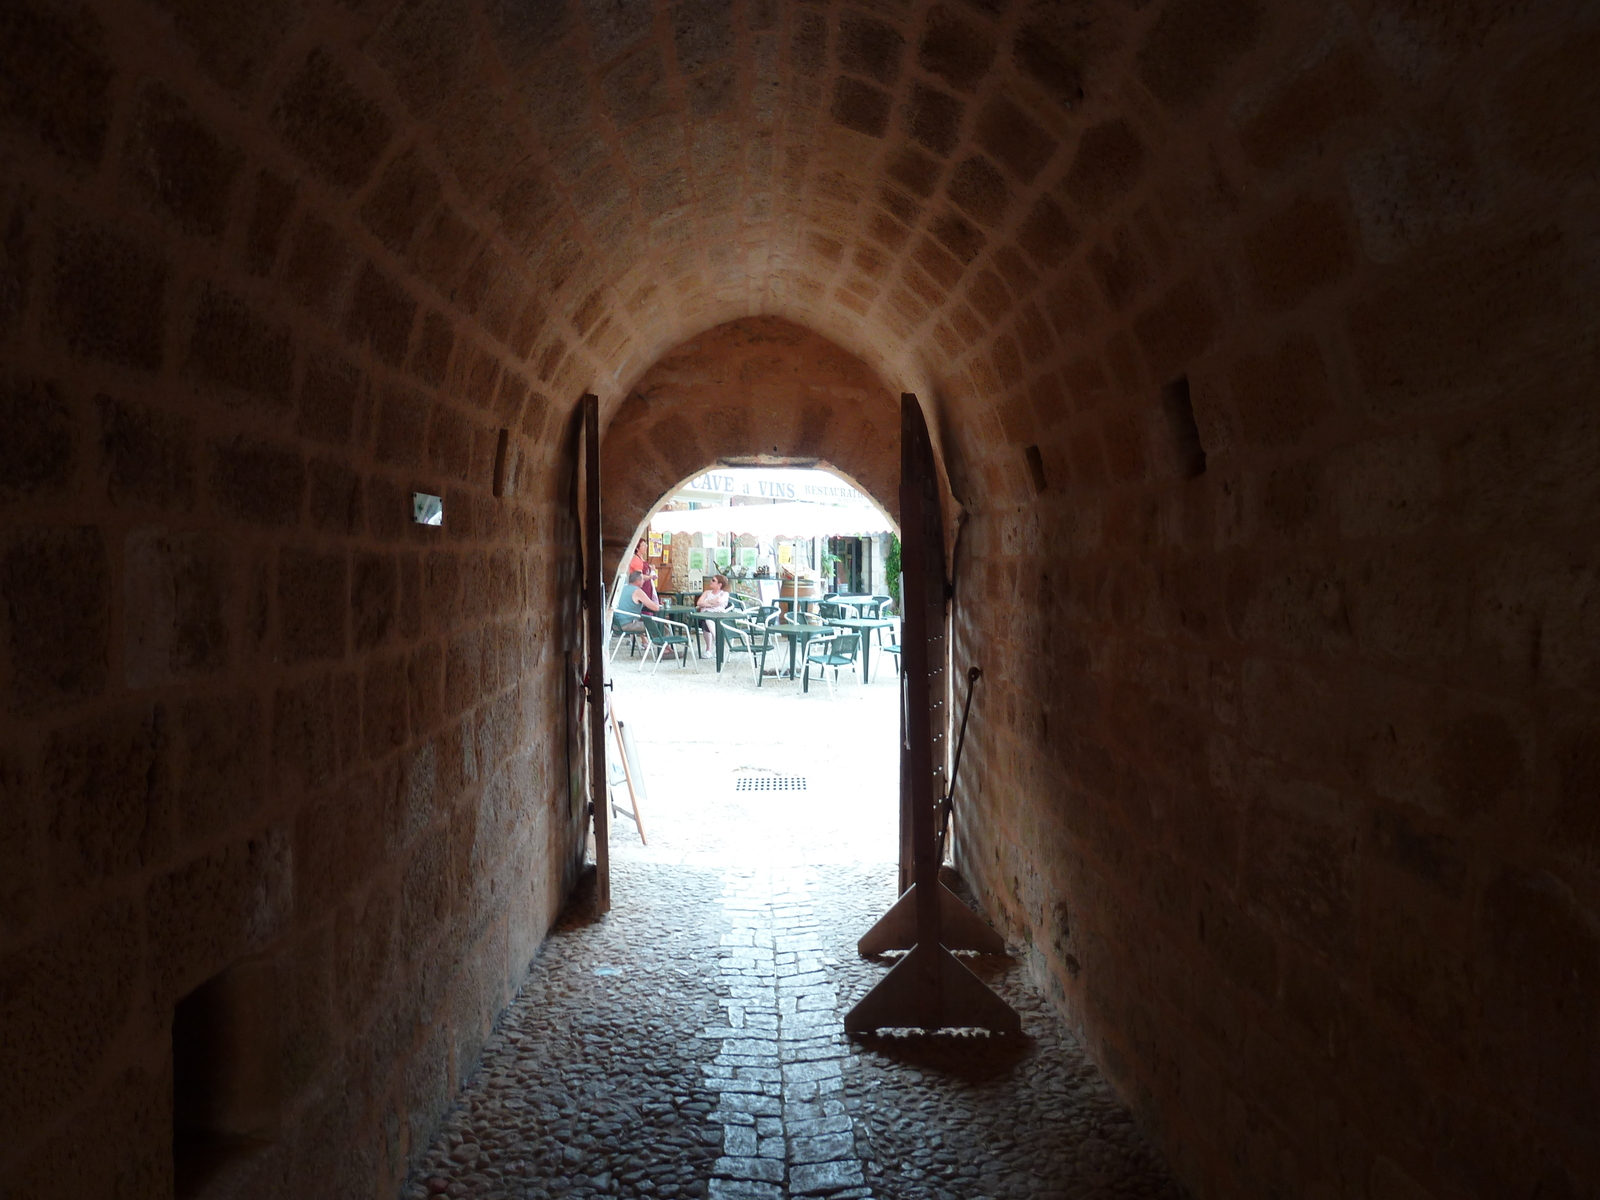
{"x":836,"y":650}
{"x":894,"y":649}
{"x":625,"y":626}
{"x":754,"y":638}
{"x":662,"y":639}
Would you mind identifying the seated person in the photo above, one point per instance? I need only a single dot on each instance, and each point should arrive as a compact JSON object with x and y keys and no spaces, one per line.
{"x":715,"y":598}
{"x":630,"y":603}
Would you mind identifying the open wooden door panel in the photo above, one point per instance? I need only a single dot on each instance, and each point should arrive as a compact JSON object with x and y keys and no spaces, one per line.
{"x":595,"y":652}
{"x":929,"y":988}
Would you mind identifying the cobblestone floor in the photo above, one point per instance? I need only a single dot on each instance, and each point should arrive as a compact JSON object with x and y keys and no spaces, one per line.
{"x":690,"y":1043}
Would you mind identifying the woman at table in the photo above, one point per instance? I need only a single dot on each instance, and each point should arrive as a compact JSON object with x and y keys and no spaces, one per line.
{"x":715,"y":598}
{"x":647,"y":581}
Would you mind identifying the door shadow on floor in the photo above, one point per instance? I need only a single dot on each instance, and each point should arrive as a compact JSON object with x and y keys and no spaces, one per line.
{"x":972,"y":1056}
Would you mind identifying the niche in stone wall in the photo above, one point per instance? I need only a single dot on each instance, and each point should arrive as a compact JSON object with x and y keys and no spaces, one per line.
{"x":225,"y":1055}
{"x":502,"y":449}
{"x":1036,"y":468}
{"x":1187,"y":448}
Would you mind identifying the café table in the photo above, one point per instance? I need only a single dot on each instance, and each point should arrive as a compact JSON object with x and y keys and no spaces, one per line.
{"x":721,"y":617}
{"x":853,"y":600}
{"x":864,"y":626}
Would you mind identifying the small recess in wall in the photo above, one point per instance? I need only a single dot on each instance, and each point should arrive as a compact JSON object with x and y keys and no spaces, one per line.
{"x":1189,"y":451}
{"x":225,"y":1082}
{"x":426,"y":509}
{"x":1036,"y":468}
{"x":502,"y":448}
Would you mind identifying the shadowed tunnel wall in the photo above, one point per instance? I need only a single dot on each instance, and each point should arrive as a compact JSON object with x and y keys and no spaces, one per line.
{"x":1288,"y":775}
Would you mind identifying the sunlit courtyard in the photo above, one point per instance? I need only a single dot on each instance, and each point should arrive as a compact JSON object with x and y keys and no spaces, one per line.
{"x":698,"y":734}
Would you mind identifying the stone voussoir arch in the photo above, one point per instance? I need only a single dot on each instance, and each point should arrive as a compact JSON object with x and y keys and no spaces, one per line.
{"x":752,"y":388}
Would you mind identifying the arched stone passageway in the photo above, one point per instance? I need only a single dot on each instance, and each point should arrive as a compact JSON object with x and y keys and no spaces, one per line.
{"x":744,"y":389}
{"x":1258,"y":338}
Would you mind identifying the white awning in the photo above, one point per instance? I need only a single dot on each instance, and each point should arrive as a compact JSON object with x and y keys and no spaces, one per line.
{"x":775,"y":520}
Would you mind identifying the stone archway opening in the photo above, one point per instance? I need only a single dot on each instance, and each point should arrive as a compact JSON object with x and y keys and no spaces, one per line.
{"x":753,"y":390}
{"x":738,"y":468}
{"x":756,"y":392}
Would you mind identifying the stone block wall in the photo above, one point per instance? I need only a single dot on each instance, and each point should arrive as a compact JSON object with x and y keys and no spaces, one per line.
{"x":1284,"y":770}
{"x":251,"y":711}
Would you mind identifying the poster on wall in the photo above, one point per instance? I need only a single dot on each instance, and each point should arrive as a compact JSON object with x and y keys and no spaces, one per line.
{"x":655,"y":545}
{"x":697,"y":560}
{"x":666,"y":537}
{"x":723,"y":557}
{"x":747,"y":557}
{"x":785,"y":553}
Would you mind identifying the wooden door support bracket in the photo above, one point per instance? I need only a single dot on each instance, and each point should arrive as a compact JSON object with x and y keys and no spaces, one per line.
{"x":930,"y":989}
{"x":959,"y":927}
{"x":927,"y":989}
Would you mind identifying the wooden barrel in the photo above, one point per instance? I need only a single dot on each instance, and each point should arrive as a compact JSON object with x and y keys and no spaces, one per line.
{"x":800,"y":589}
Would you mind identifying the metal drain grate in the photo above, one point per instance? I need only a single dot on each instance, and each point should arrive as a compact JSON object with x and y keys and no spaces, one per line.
{"x":770,"y":783}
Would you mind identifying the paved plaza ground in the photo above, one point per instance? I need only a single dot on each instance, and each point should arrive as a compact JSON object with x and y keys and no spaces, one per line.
{"x":690,"y":1043}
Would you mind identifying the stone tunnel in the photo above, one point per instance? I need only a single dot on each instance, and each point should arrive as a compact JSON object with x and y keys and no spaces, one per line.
{"x":1258,"y":341}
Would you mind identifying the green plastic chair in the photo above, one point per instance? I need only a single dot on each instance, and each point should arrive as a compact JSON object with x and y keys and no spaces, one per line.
{"x":662,"y":639}
{"x":838,"y":650}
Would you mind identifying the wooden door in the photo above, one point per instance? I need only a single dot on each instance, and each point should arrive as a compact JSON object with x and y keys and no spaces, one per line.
{"x":923,"y":709}
{"x":923,"y":672}
{"x":595,"y":648}
{"x":574,"y":832}
{"x":928,"y":988}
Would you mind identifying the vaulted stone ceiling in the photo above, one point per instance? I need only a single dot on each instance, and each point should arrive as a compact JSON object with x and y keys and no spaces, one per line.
{"x":895,"y":176}
{"x":907,"y":179}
